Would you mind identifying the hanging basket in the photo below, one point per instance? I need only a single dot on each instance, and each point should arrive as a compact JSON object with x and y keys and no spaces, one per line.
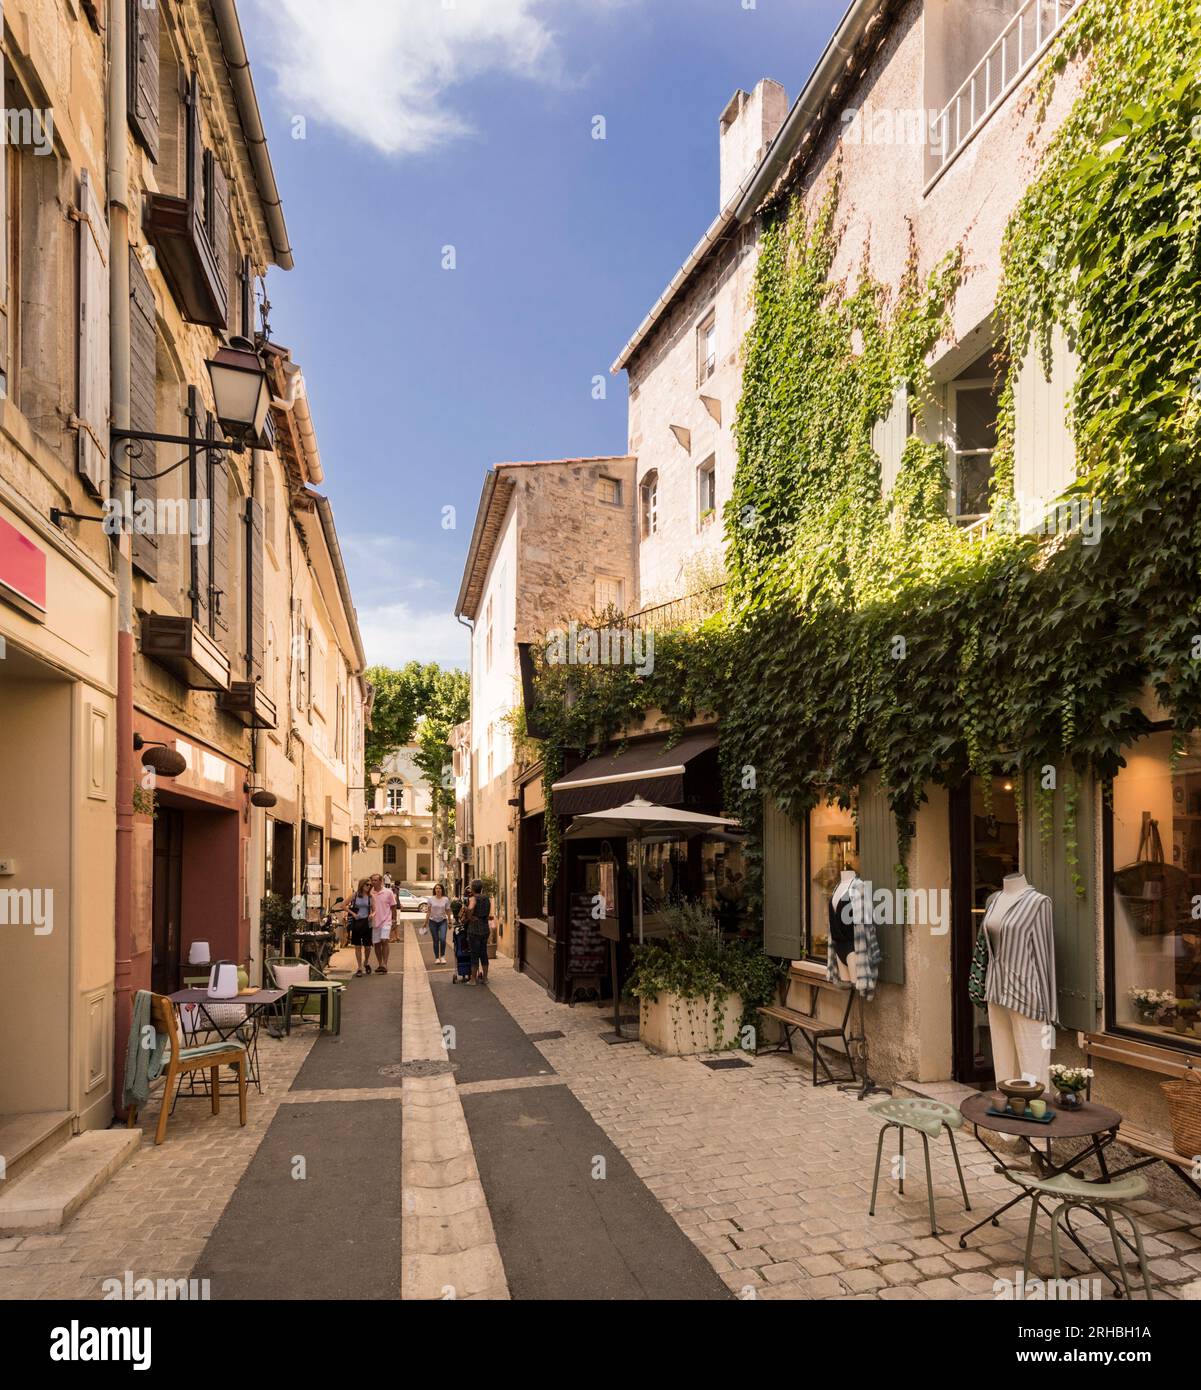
{"x":1184,"y":1108}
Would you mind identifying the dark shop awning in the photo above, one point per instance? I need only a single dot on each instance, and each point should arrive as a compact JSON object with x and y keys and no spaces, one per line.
{"x":650,"y":769}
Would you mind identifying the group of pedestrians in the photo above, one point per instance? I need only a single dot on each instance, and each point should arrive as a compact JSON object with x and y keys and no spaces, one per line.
{"x":372,"y":924}
{"x":471,"y":920}
{"x":372,"y":920}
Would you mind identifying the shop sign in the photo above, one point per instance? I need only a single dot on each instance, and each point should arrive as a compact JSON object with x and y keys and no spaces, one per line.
{"x":22,"y":572}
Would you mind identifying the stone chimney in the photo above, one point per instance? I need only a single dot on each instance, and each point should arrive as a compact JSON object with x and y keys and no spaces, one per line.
{"x":748,"y":125}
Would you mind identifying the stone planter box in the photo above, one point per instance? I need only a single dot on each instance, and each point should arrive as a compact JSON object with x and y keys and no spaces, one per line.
{"x":680,"y":1027}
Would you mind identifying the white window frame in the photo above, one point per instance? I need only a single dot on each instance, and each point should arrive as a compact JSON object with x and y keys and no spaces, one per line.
{"x":648,"y":492}
{"x":706,"y":479}
{"x":976,"y":383}
{"x":706,"y":347}
{"x":618,"y":587}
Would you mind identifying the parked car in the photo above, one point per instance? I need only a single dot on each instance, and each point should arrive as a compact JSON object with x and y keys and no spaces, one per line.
{"x":407,"y":900}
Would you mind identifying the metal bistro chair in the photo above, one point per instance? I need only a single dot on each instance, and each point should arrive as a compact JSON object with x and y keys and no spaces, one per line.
{"x":929,"y":1118}
{"x":1103,"y":1199}
{"x":327,"y":992}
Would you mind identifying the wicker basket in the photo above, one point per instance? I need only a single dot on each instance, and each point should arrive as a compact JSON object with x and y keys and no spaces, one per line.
{"x":1184,"y":1107}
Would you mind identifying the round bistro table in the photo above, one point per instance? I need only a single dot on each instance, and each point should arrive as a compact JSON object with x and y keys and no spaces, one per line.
{"x":1096,"y":1124}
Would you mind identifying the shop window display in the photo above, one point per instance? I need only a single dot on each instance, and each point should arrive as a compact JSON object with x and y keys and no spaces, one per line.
{"x":1155,"y":891}
{"x":833,"y":846}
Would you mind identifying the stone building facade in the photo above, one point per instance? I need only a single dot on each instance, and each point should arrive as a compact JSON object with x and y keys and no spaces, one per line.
{"x":151,"y":592}
{"x":554,"y":542}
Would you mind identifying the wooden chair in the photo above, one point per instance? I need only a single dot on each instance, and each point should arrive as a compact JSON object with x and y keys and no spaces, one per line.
{"x":210,"y":1057}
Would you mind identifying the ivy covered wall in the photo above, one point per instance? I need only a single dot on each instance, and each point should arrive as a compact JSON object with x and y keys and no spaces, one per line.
{"x":868,"y":633}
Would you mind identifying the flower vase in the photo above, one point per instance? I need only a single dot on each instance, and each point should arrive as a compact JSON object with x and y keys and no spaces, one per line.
{"x":1069,"y":1100}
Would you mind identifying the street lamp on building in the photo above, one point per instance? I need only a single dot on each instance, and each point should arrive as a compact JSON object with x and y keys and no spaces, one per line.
{"x":241,"y":395}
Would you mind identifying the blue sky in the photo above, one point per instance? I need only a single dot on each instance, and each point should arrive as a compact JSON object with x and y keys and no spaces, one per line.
{"x":412,"y":125}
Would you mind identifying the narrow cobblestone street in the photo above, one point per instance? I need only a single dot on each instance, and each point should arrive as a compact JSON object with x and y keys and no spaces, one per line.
{"x":656,"y":1177}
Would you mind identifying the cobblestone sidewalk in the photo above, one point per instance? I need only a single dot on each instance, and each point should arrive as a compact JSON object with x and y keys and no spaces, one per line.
{"x":771,"y":1178}
{"x":156,"y":1213}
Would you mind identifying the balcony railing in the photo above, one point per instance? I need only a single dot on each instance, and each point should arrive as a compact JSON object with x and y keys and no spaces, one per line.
{"x":1019,"y":46}
{"x":680,"y":612}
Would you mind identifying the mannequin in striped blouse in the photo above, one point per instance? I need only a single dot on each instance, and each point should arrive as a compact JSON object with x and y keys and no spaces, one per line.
{"x":1020,"y":984}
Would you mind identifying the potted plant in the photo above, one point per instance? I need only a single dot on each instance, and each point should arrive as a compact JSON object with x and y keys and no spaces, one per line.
{"x":698,"y":992}
{"x":1069,"y":1082}
{"x":1148,"y":1003}
{"x":275,"y":921}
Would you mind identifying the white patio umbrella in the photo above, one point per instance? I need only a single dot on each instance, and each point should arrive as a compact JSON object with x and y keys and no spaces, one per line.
{"x":640,"y":820}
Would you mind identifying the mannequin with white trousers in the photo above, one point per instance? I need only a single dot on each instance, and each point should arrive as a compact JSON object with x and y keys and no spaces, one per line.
{"x":1020,"y":982}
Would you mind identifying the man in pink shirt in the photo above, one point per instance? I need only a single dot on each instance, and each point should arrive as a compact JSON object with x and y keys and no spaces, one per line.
{"x":383,"y":906}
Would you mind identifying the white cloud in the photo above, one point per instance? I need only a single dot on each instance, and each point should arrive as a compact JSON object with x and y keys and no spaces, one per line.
{"x":394,"y":633}
{"x":380,"y":70}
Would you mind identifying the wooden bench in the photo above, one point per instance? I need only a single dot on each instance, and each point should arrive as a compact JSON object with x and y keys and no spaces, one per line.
{"x":1155,"y":1152}
{"x":813,"y":1029}
{"x":1147,"y":1057}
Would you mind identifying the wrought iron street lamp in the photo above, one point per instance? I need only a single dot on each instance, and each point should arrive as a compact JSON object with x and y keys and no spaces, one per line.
{"x":241,"y":395}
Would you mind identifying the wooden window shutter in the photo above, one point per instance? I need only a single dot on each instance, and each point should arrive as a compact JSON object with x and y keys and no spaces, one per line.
{"x":889,"y":437}
{"x":142,"y":74}
{"x":878,"y":868}
{"x":1044,"y":448}
{"x":219,"y":595}
{"x":198,"y":481}
{"x":246,"y":298}
{"x":93,"y":374}
{"x":1045,"y":864}
{"x":217,"y":223}
{"x":197,"y":210}
{"x":255,"y":618}
{"x":782,"y":888}
{"x":143,"y":457}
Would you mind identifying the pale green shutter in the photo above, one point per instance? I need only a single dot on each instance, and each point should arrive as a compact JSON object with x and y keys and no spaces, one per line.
{"x":1046,"y":867}
{"x":878,"y":867}
{"x":781,"y":883}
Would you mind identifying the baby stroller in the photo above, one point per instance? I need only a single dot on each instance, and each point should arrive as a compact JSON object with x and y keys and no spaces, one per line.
{"x":462,"y":946}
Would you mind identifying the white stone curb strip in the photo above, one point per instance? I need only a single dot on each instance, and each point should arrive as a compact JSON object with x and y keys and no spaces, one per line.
{"x":448,"y":1246}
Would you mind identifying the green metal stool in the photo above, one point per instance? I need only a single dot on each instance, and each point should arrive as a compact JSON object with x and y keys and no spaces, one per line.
{"x":1103,"y":1199}
{"x":929,"y":1118}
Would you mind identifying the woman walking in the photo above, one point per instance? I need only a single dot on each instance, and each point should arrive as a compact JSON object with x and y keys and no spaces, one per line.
{"x":360,"y":927}
{"x":479,"y":911}
{"x":437,"y":909}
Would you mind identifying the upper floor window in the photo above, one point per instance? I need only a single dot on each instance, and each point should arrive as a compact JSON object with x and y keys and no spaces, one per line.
{"x":706,"y":491}
{"x":975,"y":56}
{"x":610,"y":593}
{"x":488,"y":637}
{"x":396,"y":796}
{"x":706,"y":348}
{"x":972,"y":422}
{"x":609,"y":490}
{"x":649,"y":490}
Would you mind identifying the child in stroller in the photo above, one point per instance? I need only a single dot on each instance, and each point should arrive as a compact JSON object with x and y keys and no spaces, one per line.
{"x":460,"y":942}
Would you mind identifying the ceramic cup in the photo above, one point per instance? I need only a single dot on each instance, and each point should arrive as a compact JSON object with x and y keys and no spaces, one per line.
{"x":1038,"y":1108}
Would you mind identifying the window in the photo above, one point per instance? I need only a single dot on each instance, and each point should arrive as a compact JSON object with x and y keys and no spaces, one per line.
{"x":609,"y":490}
{"x":706,"y":349}
{"x":488,"y":637}
{"x":706,"y":491}
{"x":649,"y":491}
{"x":1153,"y":969}
{"x":390,"y":852}
{"x":833,"y":845}
{"x":972,"y":421}
{"x":396,"y":796}
{"x":975,"y":56}
{"x":609,"y":593}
